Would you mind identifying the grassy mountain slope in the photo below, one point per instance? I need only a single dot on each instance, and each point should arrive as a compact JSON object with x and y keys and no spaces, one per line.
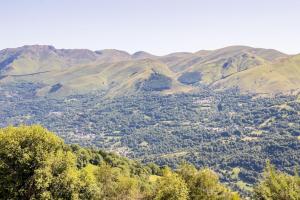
{"x":215,"y":65}
{"x":37,"y":59}
{"x":282,"y":76}
{"x":63,"y":72}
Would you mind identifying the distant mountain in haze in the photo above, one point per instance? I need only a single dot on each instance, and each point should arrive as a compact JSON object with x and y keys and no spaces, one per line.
{"x":71,"y":71}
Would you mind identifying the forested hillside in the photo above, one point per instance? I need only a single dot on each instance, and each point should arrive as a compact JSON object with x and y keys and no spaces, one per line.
{"x":231,"y":133}
{"x":37,"y":164}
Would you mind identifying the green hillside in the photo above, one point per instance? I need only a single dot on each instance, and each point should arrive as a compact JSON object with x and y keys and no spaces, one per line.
{"x":117,"y":72}
{"x":217,"y":64}
{"x":36,"y":164}
{"x":282,"y":76}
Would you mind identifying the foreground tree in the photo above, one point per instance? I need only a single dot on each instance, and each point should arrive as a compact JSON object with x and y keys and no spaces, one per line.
{"x":277,"y":185}
{"x":36,"y":164}
{"x":171,"y":187}
{"x":205,"y":185}
{"x":115,"y":185}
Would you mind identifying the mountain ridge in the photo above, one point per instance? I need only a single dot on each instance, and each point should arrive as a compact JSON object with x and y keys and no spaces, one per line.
{"x":118,"y":72}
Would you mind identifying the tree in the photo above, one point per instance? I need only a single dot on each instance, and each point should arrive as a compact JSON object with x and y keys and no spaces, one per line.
{"x":107,"y":177}
{"x":36,"y":164}
{"x":188,"y":172}
{"x":115,"y":184}
{"x":127,"y":188}
{"x":23,"y":151}
{"x":204,"y":184}
{"x":171,"y":187}
{"x":277,"y":185}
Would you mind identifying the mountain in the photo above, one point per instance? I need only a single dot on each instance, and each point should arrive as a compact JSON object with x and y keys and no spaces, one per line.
{"x":119,"y":102}
{"x":279,"y":77}
{"x":41,"y":58}
{"x":115,"y":72}
{"x":142,"y":55}
{"x":112,"y":55}
{"x":215,"y":65}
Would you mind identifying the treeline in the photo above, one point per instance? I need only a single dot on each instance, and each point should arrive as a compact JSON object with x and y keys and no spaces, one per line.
{"x":37,"y":164}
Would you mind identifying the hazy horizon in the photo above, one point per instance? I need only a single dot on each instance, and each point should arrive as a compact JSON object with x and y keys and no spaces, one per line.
{"x":157,"y":27}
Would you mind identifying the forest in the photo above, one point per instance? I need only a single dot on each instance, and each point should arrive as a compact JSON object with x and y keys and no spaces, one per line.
{"x":232,"y":133}
{"x":37,"y":164}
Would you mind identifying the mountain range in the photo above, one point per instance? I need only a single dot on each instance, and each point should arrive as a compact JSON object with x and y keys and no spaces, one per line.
{"x":62,"y":72}
{"x":231,"y":109}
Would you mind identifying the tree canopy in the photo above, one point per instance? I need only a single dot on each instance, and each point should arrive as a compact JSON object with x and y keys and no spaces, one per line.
{"x":37,"y":164}
{"x":277,"y":186}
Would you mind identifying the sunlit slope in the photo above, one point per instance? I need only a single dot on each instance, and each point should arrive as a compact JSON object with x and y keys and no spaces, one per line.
{"x":218,"y":64}
{"x":130,"y":76}
{"x":282,"y":76}
{"x":116,"y":78}
{"x":73,"y":71}
{"x":42,"y":58}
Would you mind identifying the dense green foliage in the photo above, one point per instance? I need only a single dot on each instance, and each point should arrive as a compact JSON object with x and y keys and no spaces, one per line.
{"x":204,"y":184}
{"x":278,"y":186}
{"x":36,"y":164}
{"x":171,"y":186}
{"x":156,"y":82}
{"x":231,"y":133}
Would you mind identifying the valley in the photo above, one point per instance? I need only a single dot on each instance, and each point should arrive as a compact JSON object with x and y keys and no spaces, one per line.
{"x":229,"y":109}
{"x":222,"y":130}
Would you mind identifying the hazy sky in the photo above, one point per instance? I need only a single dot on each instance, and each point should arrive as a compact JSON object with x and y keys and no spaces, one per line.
{"x":156,"y":26}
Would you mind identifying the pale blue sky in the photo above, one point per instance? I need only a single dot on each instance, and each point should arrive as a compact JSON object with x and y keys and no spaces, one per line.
{"x":156,"y":26}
